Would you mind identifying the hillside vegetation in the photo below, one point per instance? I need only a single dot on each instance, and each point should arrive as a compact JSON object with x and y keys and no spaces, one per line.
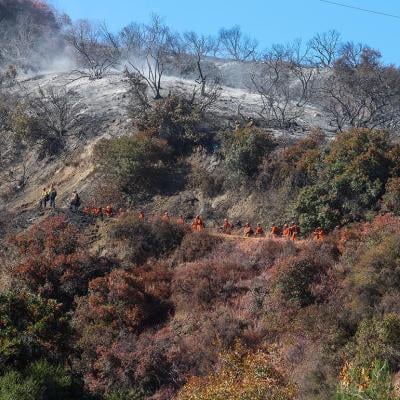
{"x":112,"y":293}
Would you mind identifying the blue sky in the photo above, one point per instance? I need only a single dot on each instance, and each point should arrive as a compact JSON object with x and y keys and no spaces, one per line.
{"x":269,"y":21}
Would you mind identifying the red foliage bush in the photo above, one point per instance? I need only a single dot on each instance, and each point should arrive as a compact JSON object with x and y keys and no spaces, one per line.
{"x":52,"y":261}
{"x":195,"y":246}
{"x":120,"y":308}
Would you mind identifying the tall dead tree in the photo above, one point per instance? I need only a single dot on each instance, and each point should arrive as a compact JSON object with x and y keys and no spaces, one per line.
{"x":147,"y":50}
{"x":362,"y":92}
{"x":56,"y":112}
{"x":198,"y":47}
{"x":236,"y":45}
{"x":324,"y":48}
{"x":284,"y":84}
{"x":97,"y":51}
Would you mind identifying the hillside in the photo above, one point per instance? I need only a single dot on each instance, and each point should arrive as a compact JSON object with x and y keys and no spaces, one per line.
{"x":187,"y":217}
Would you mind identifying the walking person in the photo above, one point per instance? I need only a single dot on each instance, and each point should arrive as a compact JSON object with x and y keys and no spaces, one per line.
{"x":52,"y":196}
{"x":44,"y":198}
{"x":75,"y":202}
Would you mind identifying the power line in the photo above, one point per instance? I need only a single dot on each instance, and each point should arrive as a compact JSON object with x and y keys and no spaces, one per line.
{"x":360,"y":9}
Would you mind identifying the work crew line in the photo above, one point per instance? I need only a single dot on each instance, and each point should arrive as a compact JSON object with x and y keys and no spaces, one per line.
{"x":290,"y":232}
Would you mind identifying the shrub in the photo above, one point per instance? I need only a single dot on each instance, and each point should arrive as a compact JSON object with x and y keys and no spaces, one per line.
{"x":244,"y":150}
{"x":138,"y":164}
{"x":40,"y":380}
{"x":203,"y":283}
{"x":125,"y":395}
{"x":210,"y":183}
{"x":295,"y":278}
{"x":391,"y":198}
{"x":373,"y":382}
{"x":143,"y":240}
{"x":31,"y":328}
{"x":117,"y":309}
{"x":242,"y":375}
{"x":195,"y":246}
{"x":52,"y":261}
{"x":375,"y":273}
{"x":378,"y":339}
{"x":175,"y":119}
{"x":350,"y":182}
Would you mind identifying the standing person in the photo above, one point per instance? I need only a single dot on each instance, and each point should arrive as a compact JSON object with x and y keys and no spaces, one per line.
{"x":108,"y":211}
{"x":227,"y":227}
{"x":52,"y":196}
{"x":259,"y":230}
{"x":181,"y":220}
{"x":295,"y":231}
{"x":75,"y":202}
{"x":274,"y":233}
{"x":198,"y":224}
{"x":44,"y":198}
{"x":248,"y":230}
{"x":286,"y":231}
{"x":165,"y":217}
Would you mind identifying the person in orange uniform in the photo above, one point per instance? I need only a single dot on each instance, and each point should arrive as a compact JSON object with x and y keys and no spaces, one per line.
{"x":248,"y":230}
{"x":259,"y":230}
{"x":227,"y":227}
{"x":108,"y":211}
{"x":286,"y":231}
{"x":98,"y":212}
{"x":319,"y":233}
{"x":197,"y":224}
{"x":141,"y":215}
{"x":165,"y":217}
{"x":274,"y":233}
{"x":294,"y":231}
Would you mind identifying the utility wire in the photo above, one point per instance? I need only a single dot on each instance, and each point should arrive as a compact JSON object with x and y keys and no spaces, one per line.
{"x":360,"y":9}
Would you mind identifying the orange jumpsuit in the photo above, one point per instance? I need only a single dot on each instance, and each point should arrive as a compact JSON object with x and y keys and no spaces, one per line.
{"x":248,"y":231}
{"x":287,"y":232}
{"x":319,"y":234}
{"x":294,"y":231}
{"x":274,"y":231}
{"x":108,"y":211}
{"x":199,"y":224}
{"x":165,"y":218}
{"x":259,"y":231}
{"x":227,"y":228}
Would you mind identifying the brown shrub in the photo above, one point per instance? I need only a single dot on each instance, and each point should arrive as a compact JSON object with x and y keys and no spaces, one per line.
{"x":141,"y":240}
{"x":195,"y":246}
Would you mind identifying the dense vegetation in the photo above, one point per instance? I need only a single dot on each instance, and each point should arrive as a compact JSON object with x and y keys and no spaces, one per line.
{"x":129,"y":308}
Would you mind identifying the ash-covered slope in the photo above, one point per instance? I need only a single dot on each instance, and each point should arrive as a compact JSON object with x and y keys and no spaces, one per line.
{"x":103,"y":113}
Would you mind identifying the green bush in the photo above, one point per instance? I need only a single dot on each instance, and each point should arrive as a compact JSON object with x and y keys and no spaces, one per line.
{"x":176,"y":119}
{"x":378,"y":339}
{"x":138,"y":164}
{"x":31,"y":328}
{"x":40,"y":381}
{"x":124,"y":395}
{"x":350,"y":182}
{"x":244,"y":150}
{"x":391,"y":198}
{"x":295,"y":278}
{"x":373,"y":382}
